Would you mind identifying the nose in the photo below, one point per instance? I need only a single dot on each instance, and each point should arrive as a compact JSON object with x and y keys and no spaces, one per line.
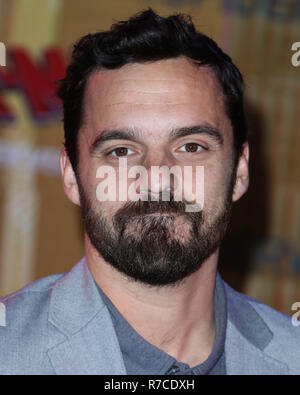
{"x":155,"y":180}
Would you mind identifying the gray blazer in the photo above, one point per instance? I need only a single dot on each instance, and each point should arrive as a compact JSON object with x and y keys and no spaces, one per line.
{"x":60,"y":325}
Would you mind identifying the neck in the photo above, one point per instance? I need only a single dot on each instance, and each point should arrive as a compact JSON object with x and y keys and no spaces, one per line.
{"x":177,"y":319}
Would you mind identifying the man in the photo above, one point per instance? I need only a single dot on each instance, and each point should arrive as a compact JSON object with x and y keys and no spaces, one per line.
{"x":147,"y":298}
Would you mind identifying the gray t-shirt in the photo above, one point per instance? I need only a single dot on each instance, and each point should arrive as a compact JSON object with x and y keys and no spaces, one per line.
{"x":142,"y":358}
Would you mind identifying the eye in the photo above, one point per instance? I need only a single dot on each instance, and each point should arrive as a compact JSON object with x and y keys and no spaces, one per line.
{"x":121,"y":151}
{"x":191,"y":147}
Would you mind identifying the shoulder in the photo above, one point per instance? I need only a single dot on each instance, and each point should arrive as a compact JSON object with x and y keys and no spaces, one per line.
{"x":276,"y":320}
{"x":28,"y":298}
{"x":273,"y":332}
{"x":23,"y":320}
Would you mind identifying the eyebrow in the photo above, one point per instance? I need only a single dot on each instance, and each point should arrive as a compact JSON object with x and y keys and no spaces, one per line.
{"x":115,"y":134}
{"x":205,"y":129}
{"x":135,"y":135}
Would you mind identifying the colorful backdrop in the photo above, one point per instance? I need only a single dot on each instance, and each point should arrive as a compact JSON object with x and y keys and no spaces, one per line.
{"x":41,"y":232}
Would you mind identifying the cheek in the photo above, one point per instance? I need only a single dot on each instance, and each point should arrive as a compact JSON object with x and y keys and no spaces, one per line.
{"x":216,"y":184}
{"x":89,"y":182}
{"x":105,"y":195}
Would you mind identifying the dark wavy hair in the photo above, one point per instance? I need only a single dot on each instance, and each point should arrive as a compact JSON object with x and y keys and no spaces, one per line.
{"x":146,"y":37}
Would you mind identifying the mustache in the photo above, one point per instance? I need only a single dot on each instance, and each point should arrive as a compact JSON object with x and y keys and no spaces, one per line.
{"x":139,"y":208}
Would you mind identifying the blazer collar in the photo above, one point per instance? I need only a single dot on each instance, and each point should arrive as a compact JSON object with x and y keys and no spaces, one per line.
{"x":77,"y":310}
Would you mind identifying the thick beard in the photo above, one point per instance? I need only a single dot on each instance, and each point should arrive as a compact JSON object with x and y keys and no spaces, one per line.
{"x":153,"y":249}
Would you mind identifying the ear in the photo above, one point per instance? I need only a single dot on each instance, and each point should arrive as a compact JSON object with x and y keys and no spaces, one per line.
{"x":69,"y":181}
{"x":242,"y":174}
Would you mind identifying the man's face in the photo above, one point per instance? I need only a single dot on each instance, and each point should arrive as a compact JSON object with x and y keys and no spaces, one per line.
{"x":161,"y":113}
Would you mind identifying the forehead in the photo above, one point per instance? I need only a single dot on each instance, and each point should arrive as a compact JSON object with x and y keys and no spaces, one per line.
{"x":154,"y":95}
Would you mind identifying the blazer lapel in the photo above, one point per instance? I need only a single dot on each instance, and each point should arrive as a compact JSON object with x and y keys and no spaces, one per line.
{"x":247,"y":337}
{"x":243,"y":357}
{"x":77,"y":310}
